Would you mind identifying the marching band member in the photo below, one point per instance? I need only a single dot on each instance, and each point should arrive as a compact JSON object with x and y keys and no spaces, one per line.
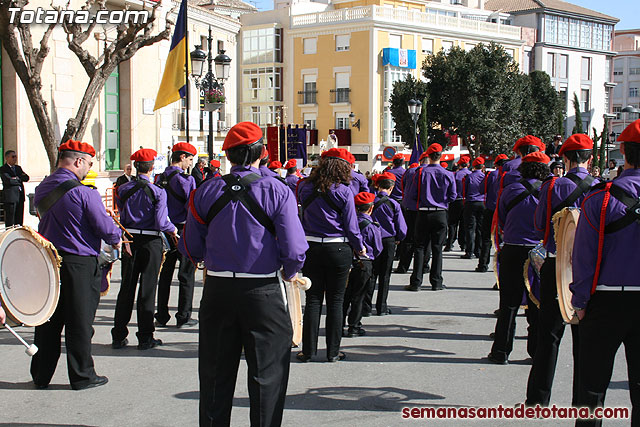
{"x":214,"y":169}
{"x":292,"y":178}
{"x":144,"y":213}
{"x":330,"y":225}
{"x":455,"y":220}
{"x":555,"y":195}
{"x":509,"y":170}
{"x":264,"y":161}
{"x":73,"y":218}
{"x":472,"y":208}
{"x":275,"y":165}
{"x":246,"y":229}
{"x":489,"y":208}
{"x":178,"y":187}
{"x":398,"y":171}
{"x":515,"y":212}
{"x":434,"y":190}
{"x":606,"y":290}
{"x":358,"y":183}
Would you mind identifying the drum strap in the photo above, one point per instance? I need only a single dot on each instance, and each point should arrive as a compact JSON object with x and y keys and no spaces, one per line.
{"x":582,"y":186}
{"x":165,"y":182}
{"x":141,"y":184}
{"x":547,"y":228}
{"x":237,"y":189}
{"x":307,"y":202}
{"x":384,"y":200}
{"x":56,"y":194}
{"x":632,"y":214}
{"x":601,"y":233}
{"x":530,"y":190}
{"x":363,"y":224}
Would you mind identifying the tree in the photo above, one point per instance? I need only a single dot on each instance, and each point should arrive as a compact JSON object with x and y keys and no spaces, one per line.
{"x":577,"y":128}
{"x":545,"y":107}
{"x":594,"y":152}
{"x":28,"y":60}
{"x":403,"y":91}
{"x":604,"y":137}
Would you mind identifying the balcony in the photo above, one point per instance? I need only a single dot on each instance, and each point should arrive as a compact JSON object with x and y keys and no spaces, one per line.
{"x":340,"y":95}
{"x":307,"y":96}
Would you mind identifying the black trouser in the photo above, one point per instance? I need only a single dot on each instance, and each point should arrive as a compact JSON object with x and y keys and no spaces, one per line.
{"x":249,"y":314}
{"x":357,"y":286}
{"x":186,"y":279}
{"x":612,"y":318}
{"x":76,"y":310}
{"x":327,"y":265}
{"x":456,"y":224}
{"x":473,"y":212}
{"x":550,"y":331}
{"x":13,"y":213}
{"x":144,"y":264}
{"x":382,"y":275}
{"x":512,"y":288}
{"x":406,"y":253}
{"x":485,"y":234}
{"x":430,"y":231}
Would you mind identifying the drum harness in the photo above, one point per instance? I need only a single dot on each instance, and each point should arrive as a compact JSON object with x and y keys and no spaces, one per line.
{"x":165,"y":180}
{"x":56,"y":194}
{"x":141,"y":184}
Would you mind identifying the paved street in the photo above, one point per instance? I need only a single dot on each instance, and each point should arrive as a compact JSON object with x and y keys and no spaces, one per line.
{"x":429,"y":352}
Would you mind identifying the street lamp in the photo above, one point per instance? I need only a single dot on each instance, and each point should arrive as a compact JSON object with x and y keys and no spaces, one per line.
{"x":415,"y":108}
{"x":628,"y":109}
{"x":223,"y":66}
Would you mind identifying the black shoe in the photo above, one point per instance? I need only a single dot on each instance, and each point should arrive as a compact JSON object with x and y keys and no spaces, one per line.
{"x":95,"y":382}
{"x":384,"y":312}
{"x":190,"y":322}
{"x":366,"y":314}
{"x":400,"y":270}
{"x":447,"y":249}
{"x":40,"y":386}
{"x":341,"y":356}
{"x":426,"y":269}
{"x":466,"y":256}
{"x":438,"y":288}
{"x":146,"y":345}
{"x":356,"y":332}
{"x":492,"y":335}
{"x":496,"y":312}
{"x":159,"y":324}
{"x":118,"y":344}
{"x":411,"y":288}
{"x":303,"y":357}
{"x":497,"y":360}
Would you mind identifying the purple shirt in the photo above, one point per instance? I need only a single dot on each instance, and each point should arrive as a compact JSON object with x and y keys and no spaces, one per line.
{"x":620,"y":251}
{"x":389,"y":216}
{"x":371,"y":236}
{"x":234,"y":240}
{"x":320,"y":220}
{"x":358,"y":183}
{"x":473,"y":184}
{"x":78,"y":221}
{"x":265,"y":171}
{"x":517,"y":224}
{"x":140,"y":212}
{"x":435,"y":187}
{"x":509,"y":166}
{"x":292,"y":182}
{"x":399,"y":172}
{"x":561,"y":189}
{"x":182,"y":185}
{"x":408,"y":183}
{"x":459,"y":176}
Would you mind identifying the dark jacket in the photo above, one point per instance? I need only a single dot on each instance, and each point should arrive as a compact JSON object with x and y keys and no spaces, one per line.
{"x":12,"y":183}
{"x":198,"y":175}
{"x":122,"y":179}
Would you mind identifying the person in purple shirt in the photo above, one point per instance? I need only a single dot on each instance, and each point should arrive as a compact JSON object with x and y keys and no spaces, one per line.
{"x":331,"y":226}
{"x":358,"y":182}
{"x":515,"y":213}
{"x":292,"y":177}
{"x":555,"y":195}
{"x":456,"y":209}
{"x":264,"y":161}
{"x":144,"y":213}
{"x":434,"y":190}
{"x":178,"y":186}
{"x":362,"y":271}
{"x":393,"y":229}
{"x":473,"y":208}
{"x":398,"y":171}
{"x":487,"y":216}
{"x":606,"y":289}
{"x":246,"y":230}
{"x":75,"y":221}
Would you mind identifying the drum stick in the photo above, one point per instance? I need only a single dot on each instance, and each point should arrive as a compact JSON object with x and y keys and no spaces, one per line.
{"x":120,"y":225}
{"x":31,"y":349}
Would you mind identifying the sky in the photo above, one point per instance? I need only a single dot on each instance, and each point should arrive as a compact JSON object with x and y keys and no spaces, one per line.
{"x":628,"y":11}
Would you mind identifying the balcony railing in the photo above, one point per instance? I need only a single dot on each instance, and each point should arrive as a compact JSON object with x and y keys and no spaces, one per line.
{"x":307,"y":96}
{"x":340,"y":94}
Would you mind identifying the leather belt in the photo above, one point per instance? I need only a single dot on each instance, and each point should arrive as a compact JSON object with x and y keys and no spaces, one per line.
{"x":145,"y":232}
{"x":617,"y":288}
{"x":326,"y":239}
{"x":241,"y":275}
{"x":432,"y":209}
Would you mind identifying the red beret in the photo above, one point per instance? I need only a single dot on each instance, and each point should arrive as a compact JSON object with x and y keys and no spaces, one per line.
{"x":631,"y":133}
{"x":340,"y":153}
{"x":215,"y":163}
{"x":264,"y":153}
{"x":144,"y":155}
{"x":80,"y":147}
{"x":578,"y":141}
{"x":478,"y":161}
{"x":500,"y":157}
{"x":244,"y":133}
{"x":184,"y":147}
{"x":275,"y":165}
{"x":434,"y":148}
{"x":529,"y":140}
{"x":413,"y":165}
{"x":423,"y":155}
{"x":444,"y":164}
{"x":364,"y":198}
{"x":538,"y":156}
{"x":398,"y":156}
{"x":464,"y":159}
{"x":291,"y":164}
{"x":386,"y":175}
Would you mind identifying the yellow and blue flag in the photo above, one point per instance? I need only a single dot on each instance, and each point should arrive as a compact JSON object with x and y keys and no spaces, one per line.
{"x":174,"y":80}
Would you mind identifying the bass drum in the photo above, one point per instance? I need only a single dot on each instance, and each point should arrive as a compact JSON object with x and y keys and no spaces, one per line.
{"x":29,"y":276}
{"x":565,"y":223}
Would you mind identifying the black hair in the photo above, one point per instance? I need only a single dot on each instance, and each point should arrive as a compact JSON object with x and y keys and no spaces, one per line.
{"x":500,"y":162}
{"x":245,"y":154}
{"x":578,"y":156}
{"x":143,"y":167}
{"x":528,"y":149}
{"x":175,"y":156}
{"x":615,"y":163}
{"x":539,"y":171}
{"x":70,"y":154}
{"x":265,"y":161}
{"x":364,"y":208}
{"x":479,"y":166}
{"x":385,"y":184}
{"x":632,"y":154}
{"x":398,"y":162}
{"x":292,"y":170}
{"x":464,"y":165}
{"x":6,"y":153}
{"x":435,"y":156}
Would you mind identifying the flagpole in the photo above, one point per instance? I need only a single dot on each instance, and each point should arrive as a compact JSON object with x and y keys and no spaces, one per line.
{"x":186,"y":65}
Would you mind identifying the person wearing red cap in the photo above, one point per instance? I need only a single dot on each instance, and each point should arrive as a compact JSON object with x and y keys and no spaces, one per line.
{"x":515,"y":213}
{"x":292,"y":178}
{"x":213,"y":170}
{"x":555,"y":195}
{"x":330,"y":226}
{"x":275,"y":165}
{"x":362,"y":271}
{"x":397,"y":170}
{"x":264,"y":161}
{"x":144,"y":213}
{"x":178,"y":186}
{"x":473,"y":209}
{"x":73,"y":218}
{"x":455,"y":220}
{"x":434,"y":191}
{"x":606,"y":290}
{"x":246,"y":230}
{"x":358,"y":182}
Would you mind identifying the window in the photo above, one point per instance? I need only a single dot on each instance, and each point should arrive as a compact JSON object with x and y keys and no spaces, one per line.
{"x":563,"y":31}
{"x":564,"y":61}
{"x":550,"y":29}
{"x":551,"y":64}
{"x":607,"y":69}
{"x":262,"y":84}
{"x":633,"y":92}
{"x":427,"y":46}
{"x":342,"y":120}
{"x":395,"y":41}
{"x":342,"y":42}
{"x":309,"y":46}
{"x":618,"y":67}
{"x":309,"y":119}
{"x":634,"y":71}
{"x":342,"y":87}
{"x":617,"y":108}
{"x":584,"y":100}
{"x":574,"y":32}
{"x":597,"y":36}
{"x":562,"y":93}
{"x":585,"y":34}
{"x":391,"y":75}
{"x":255,"y":85}
{"x":260,"y":46}
{"x":220,"y":46}
{"x":586,"y":68}
{"x":112,"y":121}
{"x":310,"y":91}
{"x":447,"y":46}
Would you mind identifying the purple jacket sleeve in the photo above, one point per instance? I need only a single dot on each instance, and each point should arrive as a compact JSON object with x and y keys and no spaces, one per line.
{"x":401,"y":224}
{"x":350,"y":221}
{"x":376,"y":241}
{"x":451,"y":192}
{"x":192,"y":241}
{"x":162,"y":213}
{"x":585,"y":252}
{"x":540,"y":217}
{"x":102,"y":223}
{"x":291,"y":242}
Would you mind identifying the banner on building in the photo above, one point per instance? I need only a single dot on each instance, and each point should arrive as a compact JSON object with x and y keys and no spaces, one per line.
{"x":404,"y":58}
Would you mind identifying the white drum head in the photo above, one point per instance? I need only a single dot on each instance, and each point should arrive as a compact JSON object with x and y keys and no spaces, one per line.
{"x":565,"y":236}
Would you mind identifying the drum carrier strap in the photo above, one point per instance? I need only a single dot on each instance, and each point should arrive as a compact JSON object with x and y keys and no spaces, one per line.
{"x":314,"y":195}
{"x":56,"y":194}
{"x":141,"y":184}
{"x":237,"y":189}
{"x":363,"y":224}
{"x":384,"y":200}
{"x":164,"y":182}
{"x":529,"y":190}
